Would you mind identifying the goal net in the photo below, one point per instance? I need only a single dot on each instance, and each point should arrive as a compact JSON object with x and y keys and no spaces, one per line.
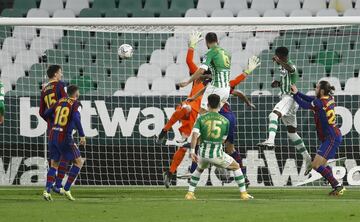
{"x":126,"y":102}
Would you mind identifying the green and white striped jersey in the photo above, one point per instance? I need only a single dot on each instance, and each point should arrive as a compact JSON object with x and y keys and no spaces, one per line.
{"x":218,"y":61}
{"x":287,"y":79}
{"x":2,"y":95}
{"x":213,"y":129}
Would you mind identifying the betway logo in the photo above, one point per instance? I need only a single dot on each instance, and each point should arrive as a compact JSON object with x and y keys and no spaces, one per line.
{"x":154,"y":120}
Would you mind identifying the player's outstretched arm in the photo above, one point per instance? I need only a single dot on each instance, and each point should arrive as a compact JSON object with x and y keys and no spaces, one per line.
{"x":253,"y":63}
{"x":198,"y":93}
{"x":299,"y":98}
{"x":77,"y":120}
{"x":194,"y":77}
{"x":243,"y":98}
{"x":194,"y":38}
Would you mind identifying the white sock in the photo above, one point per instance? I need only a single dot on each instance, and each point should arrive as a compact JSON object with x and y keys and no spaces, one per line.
{"x":273,"y":126}
{"x":195,"y":177}
{"x":300,"y":146}
{"x":240,"y":180}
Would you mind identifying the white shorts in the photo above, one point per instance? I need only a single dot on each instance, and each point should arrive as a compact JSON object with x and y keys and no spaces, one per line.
{"x":223,"y":162}
{"x":222,"y":92}
{"x":288,"y":108}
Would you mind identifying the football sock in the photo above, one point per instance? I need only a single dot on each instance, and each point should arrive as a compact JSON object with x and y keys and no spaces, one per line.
{"x":240,"y":180}
{"x":50,"y":179}
{"x":61,"y":172}
{"x":176,"y":116}
{"x":74,"y":171}
{"x":195,"y":177}
{"x":300,"y":146}
{"x":177,"y":158}
{"x":273,"y":126}
{"x":326,"y":172}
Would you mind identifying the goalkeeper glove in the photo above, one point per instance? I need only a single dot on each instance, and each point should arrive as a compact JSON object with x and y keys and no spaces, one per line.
{"x":253,"y":62}
{"x":194,"y":38}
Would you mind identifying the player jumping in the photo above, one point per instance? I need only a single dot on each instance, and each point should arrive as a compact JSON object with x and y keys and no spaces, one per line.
{"x":286,"y":109}
{"x":212,"y":129}
{"x":323,"y":106}
{"x":65,"y":117}
{"x":50,"y":94}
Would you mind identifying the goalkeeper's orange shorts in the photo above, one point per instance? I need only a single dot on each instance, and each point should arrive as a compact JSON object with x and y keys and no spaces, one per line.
{"x":188,"y":122}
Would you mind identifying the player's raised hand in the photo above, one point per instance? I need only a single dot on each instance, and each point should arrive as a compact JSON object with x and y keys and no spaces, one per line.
{"x":82,"y":141}
{"x":1,"y":119}
{"x":194,"y":157}
{"x":253,"y":63}
{"x":194,"y":38}
{"x":294,"y":89}
{"x":252,"y":106}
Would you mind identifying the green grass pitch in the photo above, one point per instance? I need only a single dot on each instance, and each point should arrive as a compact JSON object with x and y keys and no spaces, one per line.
{"x":157,"y":204}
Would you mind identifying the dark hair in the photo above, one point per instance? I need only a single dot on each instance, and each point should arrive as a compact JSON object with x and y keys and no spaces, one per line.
{"x":52,"y":69}
{"x":281,"y":51}
{"x":328,"y":89}
{"x":71,"y":89}
{"x":214,"y":101}
{"x":211,"y":37}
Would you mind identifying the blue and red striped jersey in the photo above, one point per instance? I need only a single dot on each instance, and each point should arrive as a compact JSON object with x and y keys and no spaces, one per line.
{"x":51,"y":93}
{"x":65,"y":117}
{"x":324,"y":114}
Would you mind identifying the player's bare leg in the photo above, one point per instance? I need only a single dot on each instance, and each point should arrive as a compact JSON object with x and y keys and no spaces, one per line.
{"x":240,"y":180}
{"x":73,"y":172}
{"x":319,"y":164}
{"x":50,"y":179}
{"x":274,"y":117}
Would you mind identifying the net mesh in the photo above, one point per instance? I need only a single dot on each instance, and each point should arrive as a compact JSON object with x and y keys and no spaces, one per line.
{"x":126,"y":102}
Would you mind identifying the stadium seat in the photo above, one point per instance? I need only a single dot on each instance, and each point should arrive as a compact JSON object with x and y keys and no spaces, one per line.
{"x":274,"y":13}
{"x":130,"y":5}
{"x":156,"y":6}
{"x":268,"y":35}
{"x":334,"y":82}
{"x":256,"y":45}
{"x":7,"y":84}
{"x":248,"y":13}
{"x":340,"y":5}
{"x":241,"y":58}
{"x":222,"y":13}
{"x":163,"y":86}
{"x":123,"y":93}
{"x":314,"y":5}
{"x":13,"y":45}
{"x":38,"y":71}
{"x":208,"y":5}
{"x":181,"y":5}
{"x":235,"y":70}
{"x":26,"y":86}
{"x":175,"y":45}
{"x":235,"y":6}
{"x":288,"y":5}
{"x":142,"y":13}
{"x":77,"y":5}
{"x":230,"y":44}
{"x":262,"y":5}
{"x":12,"y":72}
{"x":136,"y":85}
{"x":352,"y":86}
{"x":37,"y":13}
{"x":195,"y":13}
{"x":177,"y":72}
{"x":149,"y":72}
{"x":6,"y":58}
{"x":51,"y":5}
{"x":26,"y":33}
{"x":104,"y":4}
{"x":90,"y":12}
{"x":181,"y":57}
{"x":327,"y":12}
{"x":242,"y":36}
{"x":9,"y":12}
{"x":64,"y":13}
{"x":343,"y":71}
{"x":171,"y":13}
{"x":24,"y":4}
{"x":26,"y":59}
{"x":51,"y":33}
{"x":261,"y":93}
{"x":161,"y":58}
{"x":301,"y":13}
{"x":352,"y":12}
{"x":357,"y":4}
{"x":116,"y":12}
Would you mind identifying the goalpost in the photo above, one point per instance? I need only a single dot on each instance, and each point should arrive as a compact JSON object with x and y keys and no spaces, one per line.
{"x":121,"y":115}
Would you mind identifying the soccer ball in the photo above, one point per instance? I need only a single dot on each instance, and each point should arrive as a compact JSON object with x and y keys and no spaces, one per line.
{"x":125,"y":51}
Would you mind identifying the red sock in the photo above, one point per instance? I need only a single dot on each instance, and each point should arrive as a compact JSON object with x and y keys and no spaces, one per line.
{"x":177,"y":158}
{"x":176,"y":116}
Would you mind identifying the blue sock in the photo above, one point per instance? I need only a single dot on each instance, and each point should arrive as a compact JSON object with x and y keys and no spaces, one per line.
{"x":193,"y":167}
{"x":50,"y":178}
{"x":74,"y":171}
{"x":61,"y":173}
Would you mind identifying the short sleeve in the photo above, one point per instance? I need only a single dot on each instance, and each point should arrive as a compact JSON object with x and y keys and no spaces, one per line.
{"x":227,"y":125}
{"x":196,"y":127}
{"x":207,"y":59}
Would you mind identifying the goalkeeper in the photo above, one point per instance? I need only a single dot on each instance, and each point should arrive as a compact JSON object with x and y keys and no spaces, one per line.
{"x":2,"y":104}
{"x":187,"y":113}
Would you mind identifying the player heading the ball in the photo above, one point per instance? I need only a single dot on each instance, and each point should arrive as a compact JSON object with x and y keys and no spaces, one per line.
{"x":212,"y":129}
